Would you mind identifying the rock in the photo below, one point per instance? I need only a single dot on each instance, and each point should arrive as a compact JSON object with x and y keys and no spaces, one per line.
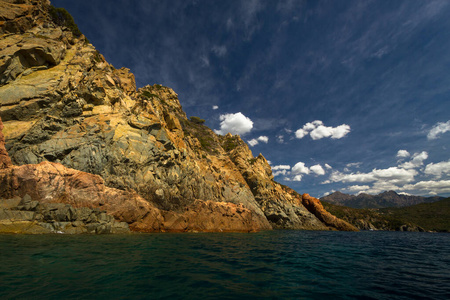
{"x":79,"y":133}
{"x":5,"y":161}
{"x":314,"y":205}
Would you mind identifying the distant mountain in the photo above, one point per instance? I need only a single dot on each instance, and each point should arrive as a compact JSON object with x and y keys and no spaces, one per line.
{"x":385,"y":199}
{"x":420,"y":217}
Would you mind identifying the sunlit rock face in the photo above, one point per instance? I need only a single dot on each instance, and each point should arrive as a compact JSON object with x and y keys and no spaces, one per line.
{"x":61,"y":102}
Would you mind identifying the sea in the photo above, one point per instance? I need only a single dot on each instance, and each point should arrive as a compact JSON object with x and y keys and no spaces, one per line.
{"x":266,"y":265}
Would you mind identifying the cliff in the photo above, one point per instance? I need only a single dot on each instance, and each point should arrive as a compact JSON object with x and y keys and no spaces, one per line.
{"x":79,"y":132}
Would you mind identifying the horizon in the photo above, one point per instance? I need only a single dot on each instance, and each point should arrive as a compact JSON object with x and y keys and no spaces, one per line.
{"x":342,"y":96}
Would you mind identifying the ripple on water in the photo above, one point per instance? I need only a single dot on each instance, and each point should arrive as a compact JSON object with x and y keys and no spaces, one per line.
{"x":268,"y":265}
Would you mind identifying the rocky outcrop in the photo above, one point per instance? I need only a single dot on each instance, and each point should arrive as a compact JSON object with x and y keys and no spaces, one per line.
{"x":33,"y":217}
{"x":69,"y":115}
{"x":54,"y":186}
{"x":314,"y":205}
{"x":282,"y":208}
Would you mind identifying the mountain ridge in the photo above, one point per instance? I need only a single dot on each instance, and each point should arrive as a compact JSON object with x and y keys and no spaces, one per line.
{"x":381,"y":200}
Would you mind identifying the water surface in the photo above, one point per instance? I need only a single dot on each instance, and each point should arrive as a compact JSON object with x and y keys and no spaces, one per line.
{"x":267,"y":265}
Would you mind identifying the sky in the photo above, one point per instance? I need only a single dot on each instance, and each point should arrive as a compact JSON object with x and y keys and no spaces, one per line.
{"x":350,"y":96}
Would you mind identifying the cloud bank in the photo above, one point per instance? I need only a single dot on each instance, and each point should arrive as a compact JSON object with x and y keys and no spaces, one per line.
{"x":400,"y":178}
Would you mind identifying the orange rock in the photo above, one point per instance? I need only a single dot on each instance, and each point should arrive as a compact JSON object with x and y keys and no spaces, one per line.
{"x":5,"y":161}
{"x":314,"y":206}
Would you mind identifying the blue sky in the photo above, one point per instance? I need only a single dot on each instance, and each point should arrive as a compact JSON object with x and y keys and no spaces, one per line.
{"x":338,"y":95}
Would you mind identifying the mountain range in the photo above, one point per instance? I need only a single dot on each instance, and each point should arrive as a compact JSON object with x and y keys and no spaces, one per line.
{"x":385,"y":199}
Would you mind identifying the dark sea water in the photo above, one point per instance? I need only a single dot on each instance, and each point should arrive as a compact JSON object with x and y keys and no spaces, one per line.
{"x":267,"y":265}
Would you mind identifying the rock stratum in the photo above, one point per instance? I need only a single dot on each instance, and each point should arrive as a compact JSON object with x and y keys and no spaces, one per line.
{"x":77,"y":132}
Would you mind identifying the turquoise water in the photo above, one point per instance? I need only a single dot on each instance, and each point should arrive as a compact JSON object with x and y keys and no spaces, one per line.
{"x":267,"y":265}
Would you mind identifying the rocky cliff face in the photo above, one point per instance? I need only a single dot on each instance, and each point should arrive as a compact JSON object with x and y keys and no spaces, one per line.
{"x":61,"y":102}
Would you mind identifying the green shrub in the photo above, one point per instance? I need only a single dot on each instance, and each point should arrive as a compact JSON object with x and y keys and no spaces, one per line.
{"x":197,"y":120}
{"x":147,"y":94}
{"x":61,"y":17}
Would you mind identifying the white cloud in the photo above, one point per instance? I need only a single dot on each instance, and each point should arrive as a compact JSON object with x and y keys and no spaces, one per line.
{"x":318,"y":131}
{"x":337,"y":176}
{"x":403,"y":153}
{"x":281,"y":167}
{"x":438,"y":169}
{"x":431,"y":186}
{"x":280,"y":172}
{"x":317,"y":169}
{"x":300,"y":168}
{"x":400,"y":178}
{"x":394,"y":175}
{"x":254,"y":142}
{"x":280,"y":139}
{"x":438,"y":129}
{"x":416,"y":161}
{"x":328,"y":166}
{"x":328,"y":193}
{"x":356,"y":188}
{"x":356,"y":165}
{"x":235,"y":124}
{"x":263,"y":139}
{"x":215,"y":107}
{"x":297,"y":178}
{"x":301,"y":133}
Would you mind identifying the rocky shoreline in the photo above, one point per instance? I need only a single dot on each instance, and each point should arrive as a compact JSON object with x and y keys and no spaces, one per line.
{"x":32,"y":217}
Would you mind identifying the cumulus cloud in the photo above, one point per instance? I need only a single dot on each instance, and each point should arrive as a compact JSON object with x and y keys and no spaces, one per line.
{"x":356,"y":188}
{"x":402,"y":154}
{"x":400,"y":178}
{"x":215,"y":107}
{"x":298,"y":171}
{"x":281,"y":167}
{"x":318,"y":131}
{"x":438,"y":129}
{"x":301,"y":133}
{"x":438,"y":169}
{"x":393,"y":174}
{"x":300,"y":168}
{"x":416,"y":161}
{"x":254,"y":142}
{"x":432,"y":186}
{"x":235,"y":124}
{"x":297,"y":178}
{"x":280,"y":139}
{"x":317,"y":169}
{"x":280,"y":170}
